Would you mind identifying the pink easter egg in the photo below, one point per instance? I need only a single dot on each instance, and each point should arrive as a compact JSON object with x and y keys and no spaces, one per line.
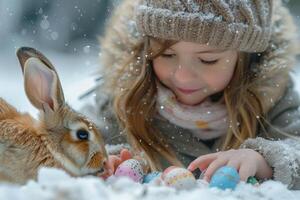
{"x":179,"y":178}
{"x":132,"y":169}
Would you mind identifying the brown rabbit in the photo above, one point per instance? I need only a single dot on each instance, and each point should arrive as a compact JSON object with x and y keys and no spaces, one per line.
{"x":62,"y":138}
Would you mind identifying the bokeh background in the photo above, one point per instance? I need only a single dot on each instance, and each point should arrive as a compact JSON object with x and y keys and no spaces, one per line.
{"x":66,"y":31}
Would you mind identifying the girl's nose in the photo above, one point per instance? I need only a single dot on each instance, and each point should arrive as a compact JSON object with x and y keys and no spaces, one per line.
{"x":184,"y":74}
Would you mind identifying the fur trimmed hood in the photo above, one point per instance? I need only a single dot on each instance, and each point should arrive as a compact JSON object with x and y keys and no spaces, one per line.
{"x":272,"y":69}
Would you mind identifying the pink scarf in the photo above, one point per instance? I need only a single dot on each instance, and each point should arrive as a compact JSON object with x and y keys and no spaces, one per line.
{"x":206,"y":121}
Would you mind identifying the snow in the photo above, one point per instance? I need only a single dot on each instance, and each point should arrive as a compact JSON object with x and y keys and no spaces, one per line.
{"x":56,"y":184}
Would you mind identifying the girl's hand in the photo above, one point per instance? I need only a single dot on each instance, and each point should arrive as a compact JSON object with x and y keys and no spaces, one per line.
{"x":114,"y":161}
{"x":247,"y":161}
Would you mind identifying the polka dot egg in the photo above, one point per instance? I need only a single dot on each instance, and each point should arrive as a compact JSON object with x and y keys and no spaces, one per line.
{"x":178,"y":178}
{"x":225,"y":178}
{"x":132,"y":169}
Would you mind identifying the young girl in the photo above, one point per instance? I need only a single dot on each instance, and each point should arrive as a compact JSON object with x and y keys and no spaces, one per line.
{"x":203,"y":84}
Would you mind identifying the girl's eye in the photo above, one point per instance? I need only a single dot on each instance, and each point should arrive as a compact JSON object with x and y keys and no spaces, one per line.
{"x":208,"y":62}
{"x":168,"y":55}
{"x":82,"y":134}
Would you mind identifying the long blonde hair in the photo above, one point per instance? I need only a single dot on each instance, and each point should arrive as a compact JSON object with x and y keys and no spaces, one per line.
{"x":134,"y":104}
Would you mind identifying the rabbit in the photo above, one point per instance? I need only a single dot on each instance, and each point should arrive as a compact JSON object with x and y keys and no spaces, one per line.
{"x":61,"y":138}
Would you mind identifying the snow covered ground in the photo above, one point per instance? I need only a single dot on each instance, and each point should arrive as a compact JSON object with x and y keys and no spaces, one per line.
{"x":55,"y":184}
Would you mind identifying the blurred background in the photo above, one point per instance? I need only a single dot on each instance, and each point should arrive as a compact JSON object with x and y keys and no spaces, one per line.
{"x":66,"y":31}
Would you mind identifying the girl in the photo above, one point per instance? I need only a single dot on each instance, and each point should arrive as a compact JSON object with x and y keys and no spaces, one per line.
{"x":203,"y":84}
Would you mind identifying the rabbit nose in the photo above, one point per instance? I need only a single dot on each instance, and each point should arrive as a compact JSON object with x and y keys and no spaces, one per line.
{"x":104,"y":163}
{"x":101,"y":170}
{"x":104,"y":167}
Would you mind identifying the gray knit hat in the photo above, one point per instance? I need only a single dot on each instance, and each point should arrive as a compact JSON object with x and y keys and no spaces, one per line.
{"x":244,"y":25}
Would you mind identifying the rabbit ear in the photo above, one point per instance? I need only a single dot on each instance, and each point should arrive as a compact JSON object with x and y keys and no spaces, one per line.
{"x":42,"y":85}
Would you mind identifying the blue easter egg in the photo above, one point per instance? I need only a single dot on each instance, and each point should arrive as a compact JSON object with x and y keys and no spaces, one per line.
{"x":225,"y":178}
{"x":151,"y":176}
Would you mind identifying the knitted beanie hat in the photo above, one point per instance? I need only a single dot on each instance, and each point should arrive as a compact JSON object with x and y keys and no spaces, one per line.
{"x":244,"y":25}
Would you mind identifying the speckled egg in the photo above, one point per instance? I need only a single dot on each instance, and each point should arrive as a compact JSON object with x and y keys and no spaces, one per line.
{"x":178,"y":178}
{"x":225,"y":178}
{"x":153,"y":177}
{"x":167,"y":170}
{"x":132,"y":169}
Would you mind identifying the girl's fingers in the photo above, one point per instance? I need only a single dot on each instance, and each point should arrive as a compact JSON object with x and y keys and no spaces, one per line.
{"x":117,"y":162}
{"x":234,"y":163}
{"x":110,"y":168}
{"x":113,"y":163}
{"x":213,"y":167}
{"x":246,"y":171}
{"x":202,"y":162}
{"x":125,"y":155}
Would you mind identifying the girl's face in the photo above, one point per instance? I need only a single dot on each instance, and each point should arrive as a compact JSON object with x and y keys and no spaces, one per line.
{"x":194,"y":71}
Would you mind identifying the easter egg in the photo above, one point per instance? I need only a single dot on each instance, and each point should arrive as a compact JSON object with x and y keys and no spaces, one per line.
{"x":167,"y":170}
{"x":179,"y":178}
{"x":225,"y":178}
{"x":253,"y":181}
{"x":132,"y":169}
{"x":152,"y":177}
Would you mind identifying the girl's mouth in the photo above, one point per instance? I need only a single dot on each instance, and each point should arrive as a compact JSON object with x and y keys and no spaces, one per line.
{"x":187,"y":91}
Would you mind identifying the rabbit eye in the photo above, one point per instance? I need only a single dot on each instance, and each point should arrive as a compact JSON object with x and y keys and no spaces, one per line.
{"x":82,"y":134}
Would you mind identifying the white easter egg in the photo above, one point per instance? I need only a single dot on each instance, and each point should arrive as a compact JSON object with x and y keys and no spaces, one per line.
{"x":179,"y":178}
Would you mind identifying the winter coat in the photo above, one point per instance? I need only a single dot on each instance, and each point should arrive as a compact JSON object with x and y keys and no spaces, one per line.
{"x":281,"y":101}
